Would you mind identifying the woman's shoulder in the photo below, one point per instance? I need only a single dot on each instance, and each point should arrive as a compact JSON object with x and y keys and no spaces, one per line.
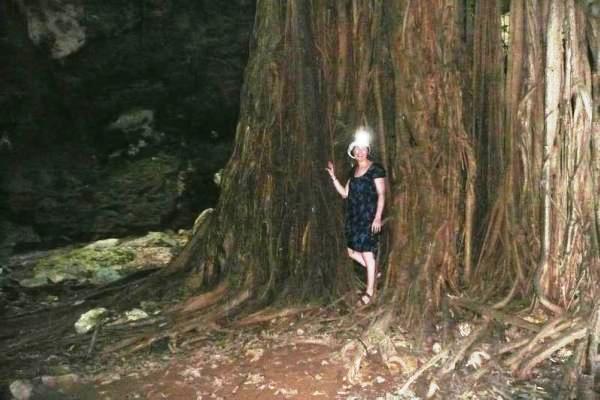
{"x":377,"y":170}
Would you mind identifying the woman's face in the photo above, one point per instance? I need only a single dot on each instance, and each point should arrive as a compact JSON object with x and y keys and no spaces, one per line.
{"x":360,"y":152}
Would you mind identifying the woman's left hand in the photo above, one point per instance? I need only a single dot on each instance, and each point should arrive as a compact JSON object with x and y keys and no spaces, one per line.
{"x":376,"y":226}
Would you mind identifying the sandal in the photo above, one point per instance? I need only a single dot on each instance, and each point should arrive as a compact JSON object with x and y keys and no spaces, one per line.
{"x":362,"y":302}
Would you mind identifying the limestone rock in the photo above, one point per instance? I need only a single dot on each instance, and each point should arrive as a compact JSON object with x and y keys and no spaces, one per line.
{"x":59,"y":26}
{"x":66,"y":381}
{"x":21,"y":390}
{"x":135,"y":314}
{"x":36,"y":281}
{"x":103,"y":244}
{"x":89,"y":320}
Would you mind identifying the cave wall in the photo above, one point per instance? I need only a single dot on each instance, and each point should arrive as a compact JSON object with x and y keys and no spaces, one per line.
{"x":115,"y":114}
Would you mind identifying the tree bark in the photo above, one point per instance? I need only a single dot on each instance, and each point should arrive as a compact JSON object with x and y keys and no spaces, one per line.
{"x":511,"y":162}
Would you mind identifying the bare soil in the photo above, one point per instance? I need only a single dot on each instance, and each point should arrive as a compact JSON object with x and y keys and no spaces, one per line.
{"x":292,"y":358}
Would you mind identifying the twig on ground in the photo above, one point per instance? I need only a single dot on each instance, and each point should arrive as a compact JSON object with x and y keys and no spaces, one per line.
{"x":93,"y":341}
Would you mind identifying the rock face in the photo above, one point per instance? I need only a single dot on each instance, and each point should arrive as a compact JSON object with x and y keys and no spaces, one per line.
{"x":115,"y":114}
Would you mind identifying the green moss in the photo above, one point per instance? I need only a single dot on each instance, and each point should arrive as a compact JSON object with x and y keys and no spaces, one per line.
{"x":98,"y":265}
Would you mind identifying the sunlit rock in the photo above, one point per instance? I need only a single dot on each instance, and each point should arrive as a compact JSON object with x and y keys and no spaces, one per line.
{"x":66,"y":381}
{"x":58,"y":26}
{"x":135,"y":314}
{"x":58,"y":276}
{"x":101,"y":262}
{"x":153,"y":239}
{"x":137,"y":126}
{"x":105,"y":275}
{"x":96,"y":265}
{"x":21,"y":390}
{"x":89,"y":320}
{"x":103,"y":244}
{"x":36,"y":281}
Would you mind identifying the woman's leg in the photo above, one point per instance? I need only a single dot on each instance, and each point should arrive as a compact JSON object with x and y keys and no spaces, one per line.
{"x":356,"y":256}
{"x":369,"y":262}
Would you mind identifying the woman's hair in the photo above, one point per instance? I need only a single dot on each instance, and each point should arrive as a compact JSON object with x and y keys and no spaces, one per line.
{"x":362,"y":138}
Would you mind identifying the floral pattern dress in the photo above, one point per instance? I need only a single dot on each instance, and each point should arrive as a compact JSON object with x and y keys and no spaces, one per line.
{"x":361,"y":209}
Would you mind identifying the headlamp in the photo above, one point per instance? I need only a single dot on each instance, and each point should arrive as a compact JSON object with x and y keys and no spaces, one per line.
{"x":362,"y":138}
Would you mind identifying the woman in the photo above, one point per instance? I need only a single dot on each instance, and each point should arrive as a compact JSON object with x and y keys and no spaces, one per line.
{"x":365,"y":191}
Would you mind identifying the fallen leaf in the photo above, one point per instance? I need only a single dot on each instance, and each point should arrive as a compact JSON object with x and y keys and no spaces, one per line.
{"x":254,"y":354}
{"x":476,"y":359}
{"x":433,"y":389}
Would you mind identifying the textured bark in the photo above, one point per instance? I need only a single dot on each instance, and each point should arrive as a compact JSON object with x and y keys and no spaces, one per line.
{"x":516,"y":147}
{"x":543,"y":225}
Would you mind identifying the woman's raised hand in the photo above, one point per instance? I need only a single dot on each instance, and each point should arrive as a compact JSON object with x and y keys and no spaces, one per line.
{"x":330,"y":169}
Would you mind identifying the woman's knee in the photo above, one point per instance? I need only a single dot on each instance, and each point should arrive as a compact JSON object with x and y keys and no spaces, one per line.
{"x":368,"y":256}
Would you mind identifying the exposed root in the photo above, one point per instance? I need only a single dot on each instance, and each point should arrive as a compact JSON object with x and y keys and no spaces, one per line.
{"x":577,"y":333}
{"x":573,"y":372}
{"x":431,"y":363}
{"x":551,"y":329}
{"x":462,"y":349}
{"x":502,"y":303}
{"x":593,"y":358}
{"x":358,"y":351}
{"x":392,"y":360}
{"x":359,"y":347}
{"x":269,"y":314}
{"x":203,"y":300}
{"x":495,"y":314}
{"x":512,"y":346}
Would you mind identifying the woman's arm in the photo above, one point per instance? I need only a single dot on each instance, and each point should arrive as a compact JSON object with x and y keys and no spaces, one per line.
{"x":342,"y":190}
{"x":380,"y":187}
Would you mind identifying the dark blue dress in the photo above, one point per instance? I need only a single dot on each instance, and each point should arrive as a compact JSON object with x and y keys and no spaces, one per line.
{"x":361,"y":209}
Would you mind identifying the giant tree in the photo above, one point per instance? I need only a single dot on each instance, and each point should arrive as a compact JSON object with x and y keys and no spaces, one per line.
{"x":492,"y":160}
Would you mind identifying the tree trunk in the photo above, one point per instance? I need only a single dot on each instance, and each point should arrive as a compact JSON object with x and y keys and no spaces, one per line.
{"x":546,"y":231}
{"x":506,"y":169}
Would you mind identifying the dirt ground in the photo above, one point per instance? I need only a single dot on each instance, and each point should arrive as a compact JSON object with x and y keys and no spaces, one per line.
{"x":302,"y":355}
{"x":292,"y":358}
